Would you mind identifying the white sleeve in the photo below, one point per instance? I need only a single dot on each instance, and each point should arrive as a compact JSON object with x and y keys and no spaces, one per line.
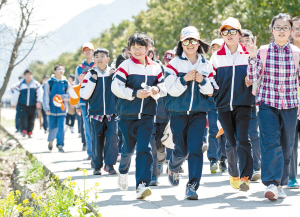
{"x":88,"y":86}
{"x":175,"y":85}
{"x":206,"y":87}
{"x":39,"y":93}
{"x":15,"y":97}
{"x":118,"y":84}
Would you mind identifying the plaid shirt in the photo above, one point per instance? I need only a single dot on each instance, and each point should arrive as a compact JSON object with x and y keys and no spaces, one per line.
{"x":278,"y":87}
{"x":101,"y":117}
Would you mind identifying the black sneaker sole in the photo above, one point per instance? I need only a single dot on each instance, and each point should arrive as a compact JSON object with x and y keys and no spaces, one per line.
{"x":97,"y":173}
{"x":255,"y":177}
{"x":153,"y":183}
{"x":110,"y":173}
{"x":50,"y":147}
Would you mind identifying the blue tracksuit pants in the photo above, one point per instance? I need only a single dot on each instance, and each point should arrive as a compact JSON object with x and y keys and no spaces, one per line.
{"x":216,"y":148}
{"x":158,"y":149}
{"x":188,"y":131}
{"x":294,"y":157}
{"x":104,"y":138}
{"x":56,"y":129}
{"x":277,"y":137}
{"x":254,"y":137}
{"x":137,"y":133}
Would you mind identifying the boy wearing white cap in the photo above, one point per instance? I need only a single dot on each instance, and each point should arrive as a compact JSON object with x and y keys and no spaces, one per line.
{"x":188,"y":81}
{"x":81,"y":70}
{"x":233,"y":101}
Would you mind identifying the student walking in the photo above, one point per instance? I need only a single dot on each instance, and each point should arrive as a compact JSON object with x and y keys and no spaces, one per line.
{"x":56,"y":88}
{"x":27,"y":96}
{"x":138,"y":82}
{"x":188,"y":82}
{"x":96,"y":88}
{"x":277,"y":64}
{"x":233,"y":101}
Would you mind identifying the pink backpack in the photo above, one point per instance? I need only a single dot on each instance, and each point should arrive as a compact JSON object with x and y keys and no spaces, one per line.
{"x":263,"y":56}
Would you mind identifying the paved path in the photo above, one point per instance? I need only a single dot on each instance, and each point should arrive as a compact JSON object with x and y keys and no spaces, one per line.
{"x":216,"y":196}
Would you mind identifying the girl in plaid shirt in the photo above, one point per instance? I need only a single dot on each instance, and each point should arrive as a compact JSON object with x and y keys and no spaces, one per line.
{"x":278,"y":101}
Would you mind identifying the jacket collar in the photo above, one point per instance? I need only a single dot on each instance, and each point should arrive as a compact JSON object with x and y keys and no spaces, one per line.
{"x":86,"y":64}
{"x":284,"y":47}
{"x":241,"y":48}
{"x":184,"y":57}
{"x":103,"y":72}
{"x":53,"y":78}
{"x":149,"y":61}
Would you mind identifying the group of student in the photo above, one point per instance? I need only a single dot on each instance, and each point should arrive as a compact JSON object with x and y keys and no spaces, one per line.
{"x":143,"y":106}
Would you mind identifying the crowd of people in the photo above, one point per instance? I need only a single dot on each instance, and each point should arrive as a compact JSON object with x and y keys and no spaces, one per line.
{"x":244,"y":99}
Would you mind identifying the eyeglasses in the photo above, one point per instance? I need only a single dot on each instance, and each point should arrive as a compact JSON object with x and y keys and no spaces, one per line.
{"x":296,"y":29}
{"x":278,"y":28}
{"x":231,"y":31}
{"x":186,"y":42}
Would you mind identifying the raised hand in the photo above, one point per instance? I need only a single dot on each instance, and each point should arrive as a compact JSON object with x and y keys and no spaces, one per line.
{"x":80,"y":78}
{"x":252,"y":48}
{"x":198,"y":77}
{"x":190,"y":76}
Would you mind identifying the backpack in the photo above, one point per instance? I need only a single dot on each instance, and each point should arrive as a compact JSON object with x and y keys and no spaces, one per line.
{"x":51,"y":84}
{"x":263,"y":56}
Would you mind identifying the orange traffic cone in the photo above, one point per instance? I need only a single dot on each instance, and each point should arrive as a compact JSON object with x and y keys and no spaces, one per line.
{"x":74,"y":94}
{"x":57,"y":101}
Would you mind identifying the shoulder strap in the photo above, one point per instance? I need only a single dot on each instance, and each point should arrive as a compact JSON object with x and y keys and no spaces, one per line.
{"x":50,"y":85}
{"x":263,"y":56}
{"x":295,"y":52}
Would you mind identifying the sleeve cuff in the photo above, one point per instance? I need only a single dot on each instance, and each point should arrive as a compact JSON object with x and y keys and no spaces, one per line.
{"x":92,"y":80}
{"x":134,"y":93}
{"x":203,"y":82}
{"x":183,"y":82}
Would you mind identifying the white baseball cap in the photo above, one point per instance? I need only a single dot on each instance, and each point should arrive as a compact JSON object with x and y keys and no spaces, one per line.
{"x":218,"y":41}
{"x":189,"y":32}
{"x":231,"y":22}
{"x":88,"y":45}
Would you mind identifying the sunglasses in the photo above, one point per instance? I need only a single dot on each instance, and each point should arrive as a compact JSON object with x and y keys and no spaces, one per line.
{"x":231,"y":31}
{"x":186,"y":42}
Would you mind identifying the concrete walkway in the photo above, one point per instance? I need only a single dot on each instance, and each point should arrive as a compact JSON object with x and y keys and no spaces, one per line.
{"x":216,"y":196}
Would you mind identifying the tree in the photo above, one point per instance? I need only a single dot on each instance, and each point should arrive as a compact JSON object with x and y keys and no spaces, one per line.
{"x":20,"y":36}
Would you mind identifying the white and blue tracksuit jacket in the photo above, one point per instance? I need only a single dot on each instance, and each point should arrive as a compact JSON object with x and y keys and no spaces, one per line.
{"x":230,"y":77}
{"x":190,"y":97}
{"x":27,"y":94}
{"x":98,"y":92}
{"x":127,"y":81}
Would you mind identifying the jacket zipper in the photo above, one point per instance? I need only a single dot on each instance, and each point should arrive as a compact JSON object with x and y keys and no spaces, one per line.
{"x":28,"y":94}
{"x":232,"y":86}
{"x":103,"y":94}
{"x":142,"y":104}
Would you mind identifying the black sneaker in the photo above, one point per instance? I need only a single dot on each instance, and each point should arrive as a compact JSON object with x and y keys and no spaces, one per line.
{"x":190,"y":192}
{"x":154,"y":181}
{"x":60,"y":148}
{"x":83,"y":147}
{"x":160,"y":168}
{"x":110,"y":169}
{"x":223,"y":166}
{"x":89,"y":157}
{"x":97,"y":172}
{"x":173,"y":178}
{"x":213,"y":166}
{"x":50,"y":145}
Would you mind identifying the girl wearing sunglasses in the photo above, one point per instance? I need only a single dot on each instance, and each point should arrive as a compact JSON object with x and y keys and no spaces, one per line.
{"x":188,"y":80}
{"x":234,"y":101}
{"x":277,"y":64}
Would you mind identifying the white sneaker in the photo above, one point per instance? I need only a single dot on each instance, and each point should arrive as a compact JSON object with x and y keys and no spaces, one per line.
{"x":281,"y":193}
{"x":72,"y":129}
{"x":123,"y":181}
{"x":271,"y":192}
{"x":204,"y":147}
{"x":142,"y":191}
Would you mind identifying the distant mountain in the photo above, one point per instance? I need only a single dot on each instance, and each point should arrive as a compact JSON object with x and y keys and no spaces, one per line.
{"x":80,"y":29}
{"x":85,"y":26}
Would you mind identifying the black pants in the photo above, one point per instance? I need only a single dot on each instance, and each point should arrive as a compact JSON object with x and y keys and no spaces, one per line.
{"x":27,"y":117}
{"x":70,"y":120}
{"x":238,"y":147}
